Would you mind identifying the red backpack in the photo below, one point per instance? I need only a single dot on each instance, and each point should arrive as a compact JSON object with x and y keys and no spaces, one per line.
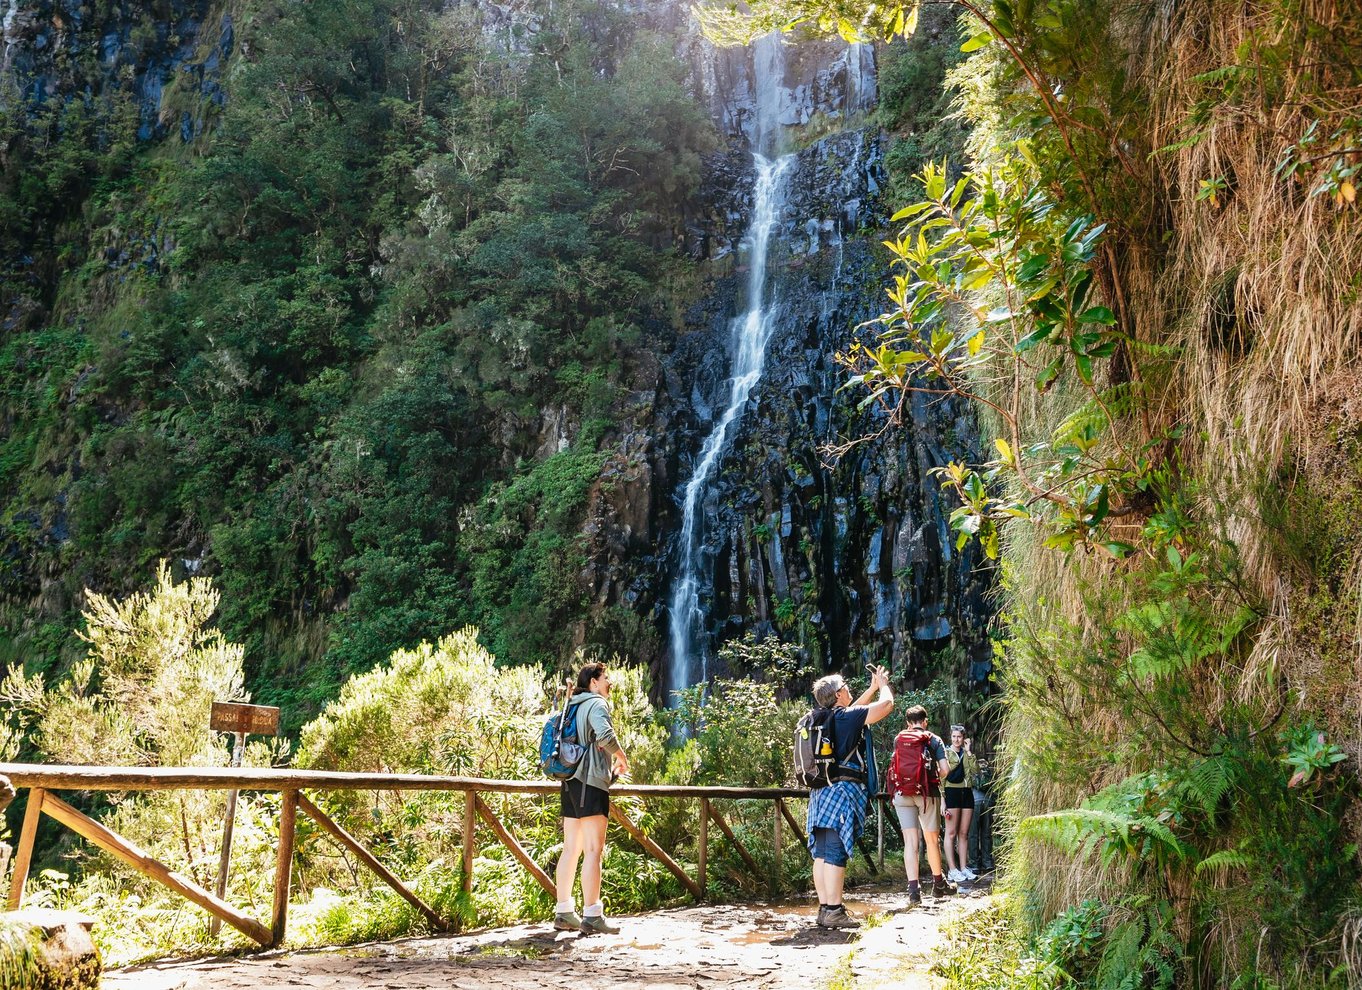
{"x":912,"y":771}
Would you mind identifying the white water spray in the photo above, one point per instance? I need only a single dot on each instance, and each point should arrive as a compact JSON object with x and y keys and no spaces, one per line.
{"x":751,"y":333}
{"x":8,"y":33}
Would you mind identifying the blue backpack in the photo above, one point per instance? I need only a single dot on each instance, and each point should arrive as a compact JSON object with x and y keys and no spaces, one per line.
{"x":559,"y":750}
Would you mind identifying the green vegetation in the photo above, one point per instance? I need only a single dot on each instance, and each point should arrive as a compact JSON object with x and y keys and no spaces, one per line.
{"x":142,"y":695}
{"x":401,"y":269}
{"x":1143,"y":296}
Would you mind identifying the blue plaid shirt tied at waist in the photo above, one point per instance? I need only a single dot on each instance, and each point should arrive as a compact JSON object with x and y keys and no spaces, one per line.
{"x":842,"y":805}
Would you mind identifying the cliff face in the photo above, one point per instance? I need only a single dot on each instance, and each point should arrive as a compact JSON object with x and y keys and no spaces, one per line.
{"x":168,"y":57}
{"x":849,"y":555}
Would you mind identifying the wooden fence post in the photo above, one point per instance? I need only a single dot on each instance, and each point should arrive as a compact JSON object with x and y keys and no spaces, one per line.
{"x":470,"y":849}
{"x":775,"y":860}
{"x":702,"y":851}
{"x":517,"y":850}
{"x":111,"y":842}
{"x":797,"y":829}
{"x":24,"y":857}
{"x":348,"y":841}
{"x":656,"y":851}
{"x":283,"y":868}
{"x":733,"y":841}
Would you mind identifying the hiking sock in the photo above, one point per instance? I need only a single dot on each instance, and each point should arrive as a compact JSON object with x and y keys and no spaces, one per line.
{"x":565,"y":907}
{"x":938,"y":879}
{"x":913,"y":886}
{"x":594,"y":910}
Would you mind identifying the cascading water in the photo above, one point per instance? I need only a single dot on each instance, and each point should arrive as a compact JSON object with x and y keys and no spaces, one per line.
{"x":751,"y":332}
{"x":8,"y":33}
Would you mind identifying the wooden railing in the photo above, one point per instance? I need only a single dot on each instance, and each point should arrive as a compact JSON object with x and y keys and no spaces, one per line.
{"x":42,"y":781}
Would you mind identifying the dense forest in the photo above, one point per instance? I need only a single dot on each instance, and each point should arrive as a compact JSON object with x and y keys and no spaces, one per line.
{"x":357,"y":322}
{"x":304,"y":342}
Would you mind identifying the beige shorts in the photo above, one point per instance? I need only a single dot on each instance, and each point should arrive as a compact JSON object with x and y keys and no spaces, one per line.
{"x":917,"y":811}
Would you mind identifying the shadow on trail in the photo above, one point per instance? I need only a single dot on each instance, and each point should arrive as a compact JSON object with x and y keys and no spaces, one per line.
{"x":810,"y":937}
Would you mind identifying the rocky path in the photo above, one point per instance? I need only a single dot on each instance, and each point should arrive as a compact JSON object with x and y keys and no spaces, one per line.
{"x":759,"y":946}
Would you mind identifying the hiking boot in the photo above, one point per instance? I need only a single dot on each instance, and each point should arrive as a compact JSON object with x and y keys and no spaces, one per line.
{"x":915,"y":896}
{"x":595,"y":924}
{"x":942,"y":887}
{"x":567,"y":921}
{"x":837,"y":917}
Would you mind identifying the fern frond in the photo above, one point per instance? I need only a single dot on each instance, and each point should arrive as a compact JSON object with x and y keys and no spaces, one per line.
{"x":1224,"y":861}
{"x":1144,"y":348}
{"x":1110,"y":833}
{"x":1120,"y":400}
{"x":1206,"y":782}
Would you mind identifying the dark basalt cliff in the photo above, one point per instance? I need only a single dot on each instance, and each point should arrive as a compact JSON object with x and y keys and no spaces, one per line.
{"x":169,"y":55}
{"x":851,"y":556}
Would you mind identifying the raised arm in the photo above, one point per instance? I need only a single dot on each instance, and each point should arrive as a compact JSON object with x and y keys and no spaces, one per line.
{"x":883,"y":703}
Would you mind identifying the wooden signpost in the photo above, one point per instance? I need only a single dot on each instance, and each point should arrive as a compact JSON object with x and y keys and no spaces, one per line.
{"x":244,"y":720}
{"x":240,"y":720}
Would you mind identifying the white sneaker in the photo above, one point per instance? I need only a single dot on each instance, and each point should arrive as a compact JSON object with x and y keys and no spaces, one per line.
{"x":969,"y":874}
{"x":955,"y":876}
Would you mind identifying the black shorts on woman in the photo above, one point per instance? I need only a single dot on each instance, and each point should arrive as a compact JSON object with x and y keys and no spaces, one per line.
{"x":958,"y":798}
{"x":579,"y":799}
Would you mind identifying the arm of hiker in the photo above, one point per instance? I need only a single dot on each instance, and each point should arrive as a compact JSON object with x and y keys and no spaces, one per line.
{"x":943,"y":765}
{"x":884,"y":704}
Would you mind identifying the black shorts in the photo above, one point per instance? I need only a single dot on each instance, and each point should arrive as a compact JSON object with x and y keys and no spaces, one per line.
{"x":958,"y":798}
{"x":580,"y":800}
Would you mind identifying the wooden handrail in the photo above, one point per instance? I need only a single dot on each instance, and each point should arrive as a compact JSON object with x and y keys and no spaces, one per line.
{"x":91,"y":778}
{"x":348,"y":841}
{"x":42,"y":779}
{"x":112,"y":842}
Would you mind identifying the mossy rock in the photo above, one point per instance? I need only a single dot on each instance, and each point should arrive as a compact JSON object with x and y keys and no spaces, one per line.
{"x":42,"y":949}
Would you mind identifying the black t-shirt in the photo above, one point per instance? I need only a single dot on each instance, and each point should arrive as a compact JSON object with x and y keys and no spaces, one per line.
{"x":847,"y":726}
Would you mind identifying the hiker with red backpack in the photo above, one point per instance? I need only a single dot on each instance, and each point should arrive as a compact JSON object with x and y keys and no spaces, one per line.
{"x":917,"y":766}
{"x":837,"y":804}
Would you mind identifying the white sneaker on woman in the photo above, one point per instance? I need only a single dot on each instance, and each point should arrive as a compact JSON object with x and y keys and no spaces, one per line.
{"x":955,"y":876}
{"x":969,"y":874}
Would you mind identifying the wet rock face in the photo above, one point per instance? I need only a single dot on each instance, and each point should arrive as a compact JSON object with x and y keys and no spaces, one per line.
{"x":59,"y":50}
{"x":829,"y":82}
{"x":850,"y":555}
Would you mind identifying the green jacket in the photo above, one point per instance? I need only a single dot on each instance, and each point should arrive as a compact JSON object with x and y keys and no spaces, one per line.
{"x":971,"y":767}
{"x":596,"y":732}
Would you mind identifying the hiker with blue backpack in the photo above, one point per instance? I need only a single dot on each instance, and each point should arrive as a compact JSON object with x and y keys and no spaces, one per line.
{"x":840,"y":774}
{"x":580,"y":749}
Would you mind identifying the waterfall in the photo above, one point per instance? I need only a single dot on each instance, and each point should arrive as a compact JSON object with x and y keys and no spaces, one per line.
{"x":750,"y":333}
{"x":9,"y":34}
{"x":860,"y":79}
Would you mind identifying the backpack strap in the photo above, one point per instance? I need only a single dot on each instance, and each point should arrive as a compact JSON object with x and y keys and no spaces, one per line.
{"x":584,"y":730}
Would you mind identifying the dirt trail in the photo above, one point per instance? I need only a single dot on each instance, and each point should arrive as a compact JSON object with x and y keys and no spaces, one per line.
{"x":748,"y":945}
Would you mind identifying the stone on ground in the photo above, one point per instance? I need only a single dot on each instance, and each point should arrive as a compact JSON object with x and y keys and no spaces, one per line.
{"x":48,"y":950}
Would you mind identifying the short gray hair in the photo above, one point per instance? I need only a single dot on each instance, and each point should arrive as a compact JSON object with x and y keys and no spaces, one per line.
{"x":826,"y":689}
